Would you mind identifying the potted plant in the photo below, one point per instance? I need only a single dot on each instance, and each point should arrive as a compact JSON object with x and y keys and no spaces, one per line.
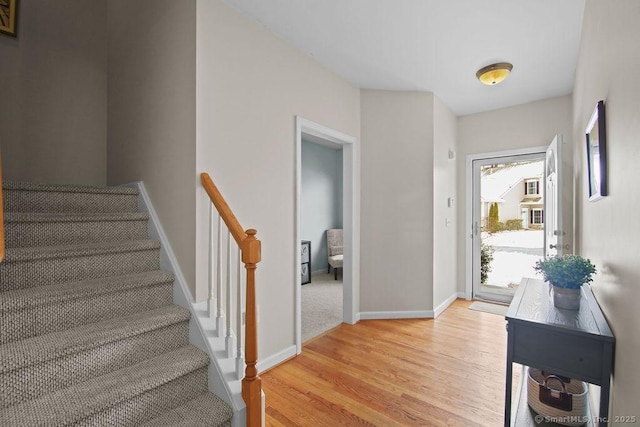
{"x":566,"y":274}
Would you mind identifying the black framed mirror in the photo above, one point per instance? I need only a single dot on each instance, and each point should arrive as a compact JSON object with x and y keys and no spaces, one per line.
{"x":597,"y":154}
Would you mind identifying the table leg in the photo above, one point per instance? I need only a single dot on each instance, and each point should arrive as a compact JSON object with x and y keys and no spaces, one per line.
{"x":605,"y":387}
{"x":603,"y":413}
{"x":509,"y":380}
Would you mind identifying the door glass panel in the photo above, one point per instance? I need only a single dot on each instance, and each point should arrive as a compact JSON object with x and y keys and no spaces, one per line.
{"x":511,"y":217}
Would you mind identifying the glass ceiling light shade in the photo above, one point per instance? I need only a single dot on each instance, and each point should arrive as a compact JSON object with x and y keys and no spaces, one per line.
{"x":494,"y":73}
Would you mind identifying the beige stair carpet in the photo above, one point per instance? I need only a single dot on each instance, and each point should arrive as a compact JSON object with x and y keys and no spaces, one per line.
{"x":89,"y":333}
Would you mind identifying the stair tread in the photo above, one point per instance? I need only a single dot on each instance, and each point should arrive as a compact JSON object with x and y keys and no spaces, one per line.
{"x":69,"y":405}
{"x":77,"y":250}
{"x":31,"y":351}
{"x":35,"y":217}
{"x":20,"y":299}
{"x":65,"y":188}
{"x":205,"y":410}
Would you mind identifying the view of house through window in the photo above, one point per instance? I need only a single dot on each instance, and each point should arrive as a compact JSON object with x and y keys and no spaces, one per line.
{"x":511,"y":223}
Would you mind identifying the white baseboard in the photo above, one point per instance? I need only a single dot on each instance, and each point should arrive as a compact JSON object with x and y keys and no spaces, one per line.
{"x":446,"y":303}
{"x":370,"y":315}
{"x":276,"y":359}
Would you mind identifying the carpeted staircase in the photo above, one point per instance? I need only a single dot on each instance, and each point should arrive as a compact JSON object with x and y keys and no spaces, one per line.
{"x":89,"y":334}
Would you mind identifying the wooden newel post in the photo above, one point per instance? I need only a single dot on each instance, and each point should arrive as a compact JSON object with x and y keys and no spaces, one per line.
{"x":251,"y":383}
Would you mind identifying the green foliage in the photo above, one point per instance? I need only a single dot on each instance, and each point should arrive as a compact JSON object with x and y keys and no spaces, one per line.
{"x":493,"y":224}
{"x":569,"y":271}
{"x":486,"y":256}
{"x":513,"y":224}
{"x":493,"y":211}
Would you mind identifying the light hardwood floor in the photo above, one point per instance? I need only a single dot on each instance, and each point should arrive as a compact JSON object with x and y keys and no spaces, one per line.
{"x":444,"y":372}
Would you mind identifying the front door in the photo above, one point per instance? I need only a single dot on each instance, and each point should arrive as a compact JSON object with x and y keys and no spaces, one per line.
{"x":553,"y":231}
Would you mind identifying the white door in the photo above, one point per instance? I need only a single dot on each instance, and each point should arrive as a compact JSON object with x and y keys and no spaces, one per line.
{"x":553,"y":233}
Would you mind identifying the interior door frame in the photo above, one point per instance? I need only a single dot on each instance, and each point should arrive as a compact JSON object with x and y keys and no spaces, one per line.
{"x":350,"y":226}
{"x":469,"y":192}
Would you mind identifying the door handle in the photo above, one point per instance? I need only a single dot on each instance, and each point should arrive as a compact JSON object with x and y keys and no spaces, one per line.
{"x":565,"y":247}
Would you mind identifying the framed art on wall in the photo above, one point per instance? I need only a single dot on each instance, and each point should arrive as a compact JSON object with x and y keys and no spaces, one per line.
{"x":8,"y":17}
{"x":597,"y":154}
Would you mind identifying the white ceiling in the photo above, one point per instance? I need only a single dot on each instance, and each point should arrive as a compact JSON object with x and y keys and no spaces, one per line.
{"x":436,"y":45}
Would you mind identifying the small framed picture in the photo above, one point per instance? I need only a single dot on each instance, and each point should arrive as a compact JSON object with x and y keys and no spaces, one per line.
{"x":305,"y":271}
{"x":8,"y":17}
{"x":597,"y":154}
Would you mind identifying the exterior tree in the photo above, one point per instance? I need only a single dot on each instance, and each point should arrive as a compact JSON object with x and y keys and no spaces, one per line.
{"x":492,"y":221}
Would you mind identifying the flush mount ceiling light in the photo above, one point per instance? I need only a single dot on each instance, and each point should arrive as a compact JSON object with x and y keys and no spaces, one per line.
{"x":494,"y":73}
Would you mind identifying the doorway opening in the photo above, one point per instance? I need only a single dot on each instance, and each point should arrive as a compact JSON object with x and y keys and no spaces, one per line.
{"x":315,"y":137}
{"x":507,"y":217}
{"x":321,"y":229}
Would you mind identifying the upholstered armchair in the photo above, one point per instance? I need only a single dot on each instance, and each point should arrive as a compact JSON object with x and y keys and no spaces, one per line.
{"x":334,"y":250}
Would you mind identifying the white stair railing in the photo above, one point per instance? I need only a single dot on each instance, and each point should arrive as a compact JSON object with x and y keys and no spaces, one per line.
{"x":244,"y":312}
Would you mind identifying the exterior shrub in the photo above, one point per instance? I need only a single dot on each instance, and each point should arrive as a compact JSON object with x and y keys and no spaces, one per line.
{"x":486,"y":256}
{"x":513,"y":224}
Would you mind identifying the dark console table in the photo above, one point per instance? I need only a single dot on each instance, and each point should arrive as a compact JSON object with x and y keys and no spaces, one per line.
{"x":577,"y":344}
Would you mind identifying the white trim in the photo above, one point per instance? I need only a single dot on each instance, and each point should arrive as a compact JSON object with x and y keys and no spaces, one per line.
{"x":468,"y":276}
{"x":276,"y":359}
{"x":446,"y":303}
{"x":350,"y":280}
{"x":371,"y":315}
{"x":229,"y":391}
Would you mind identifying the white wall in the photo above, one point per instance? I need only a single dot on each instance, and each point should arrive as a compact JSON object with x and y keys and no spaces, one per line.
{"x":444,"y":217}
{"x":53,"y":125}
{"x":320,"y":199}
{"x":608,"y":69}
{"x":397,"y":201}
{"x":250,"y":87}
{"x":511,"y":208}
{"x":151,"y":108}
{"x":527,"y":125}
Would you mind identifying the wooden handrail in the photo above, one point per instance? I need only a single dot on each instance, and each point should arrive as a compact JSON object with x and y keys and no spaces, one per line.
{"x":250,"y":248}
{"x":223,"y":209}
{"x":1,"y":215}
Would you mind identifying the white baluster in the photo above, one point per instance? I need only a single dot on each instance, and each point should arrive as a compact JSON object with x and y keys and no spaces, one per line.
{"x":239,"y":322}
{"x":219,"y":318}
{"x":229,"y":338}
{"x":211,"y":303}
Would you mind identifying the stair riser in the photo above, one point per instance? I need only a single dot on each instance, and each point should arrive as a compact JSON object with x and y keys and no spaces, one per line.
{"x":68,"y":370}
{"x":30,"y":234}
{"x":69,"y":314}
{"x":151,"y":403}
{"x":53,"y":201}
{"x":21,"y":275}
